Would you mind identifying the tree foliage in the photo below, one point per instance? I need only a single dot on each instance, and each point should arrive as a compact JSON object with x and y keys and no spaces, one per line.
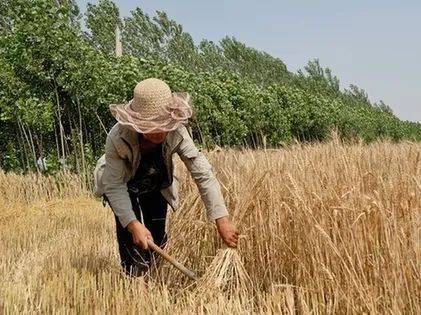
{"x":102,"y":20}
{"x":56,"y":82}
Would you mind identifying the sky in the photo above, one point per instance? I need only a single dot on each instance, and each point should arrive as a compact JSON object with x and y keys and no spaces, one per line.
{"x":374,"y":44}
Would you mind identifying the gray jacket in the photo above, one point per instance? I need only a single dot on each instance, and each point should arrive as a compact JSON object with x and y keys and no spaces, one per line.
{"x":121,"y":160}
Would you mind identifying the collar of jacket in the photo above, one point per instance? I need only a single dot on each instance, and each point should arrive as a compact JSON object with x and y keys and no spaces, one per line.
{"x":126,"y":142}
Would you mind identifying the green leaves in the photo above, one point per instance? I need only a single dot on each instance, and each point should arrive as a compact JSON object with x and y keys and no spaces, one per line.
{"x":56,"y":84}
{"x":36,"y":113}
{"x":102,"y":20}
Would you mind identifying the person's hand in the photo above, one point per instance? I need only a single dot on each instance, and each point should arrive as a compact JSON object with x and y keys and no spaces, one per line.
{"x":227,"y":231}
{"x":140,"y":234}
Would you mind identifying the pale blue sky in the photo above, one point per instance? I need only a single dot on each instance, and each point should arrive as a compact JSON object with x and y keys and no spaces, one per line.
{"x":374,"y":44}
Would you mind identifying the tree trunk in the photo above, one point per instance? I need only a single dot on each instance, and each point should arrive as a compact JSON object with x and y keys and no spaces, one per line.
{"x":82,"y":149}
{"x":25,"y":153}
{"x":57,"y":145}
{"x":28,"y":140}
{"x":101,"y":123}
{"x":63,"y":154}
{"x":33,"y":149}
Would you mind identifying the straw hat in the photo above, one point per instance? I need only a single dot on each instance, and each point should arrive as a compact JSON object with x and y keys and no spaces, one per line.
{"x":154,"y":108}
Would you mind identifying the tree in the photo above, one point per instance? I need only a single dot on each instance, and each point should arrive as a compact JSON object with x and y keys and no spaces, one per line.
{"x":56,"y":85}
{"x":317,"y":79}
{"x":259,"y":66}
{"x":101,"y":21}
{"x":158,"y":38}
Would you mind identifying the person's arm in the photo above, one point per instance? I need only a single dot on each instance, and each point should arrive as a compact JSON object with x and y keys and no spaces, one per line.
{"x":208,"y":186}
{"x":115,"y":188}
{"x":115,"y":185}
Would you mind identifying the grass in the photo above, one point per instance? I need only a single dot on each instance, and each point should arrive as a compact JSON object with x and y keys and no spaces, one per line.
{"x":326,"y":228}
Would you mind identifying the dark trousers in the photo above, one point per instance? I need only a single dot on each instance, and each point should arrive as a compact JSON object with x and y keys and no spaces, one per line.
{"x":151,"y":210}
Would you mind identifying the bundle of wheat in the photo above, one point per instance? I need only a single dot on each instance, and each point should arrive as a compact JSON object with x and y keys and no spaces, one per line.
{"x":225,"y":274}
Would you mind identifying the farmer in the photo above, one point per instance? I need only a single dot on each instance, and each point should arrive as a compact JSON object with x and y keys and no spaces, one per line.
{"x":135,"y":175}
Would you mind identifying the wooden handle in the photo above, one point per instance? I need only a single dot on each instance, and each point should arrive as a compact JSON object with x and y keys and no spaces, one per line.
{"x":172,"y":260}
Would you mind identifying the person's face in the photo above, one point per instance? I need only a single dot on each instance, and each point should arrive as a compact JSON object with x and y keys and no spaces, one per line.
{"x":156,"y":138}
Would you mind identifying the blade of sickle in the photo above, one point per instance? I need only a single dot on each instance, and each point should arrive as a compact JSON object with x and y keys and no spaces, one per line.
{"x":172,"y":260}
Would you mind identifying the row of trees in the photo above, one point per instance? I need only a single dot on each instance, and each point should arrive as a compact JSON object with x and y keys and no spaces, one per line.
{"x":57,"y":80}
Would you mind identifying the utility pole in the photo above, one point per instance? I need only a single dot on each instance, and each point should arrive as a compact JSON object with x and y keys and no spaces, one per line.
{"x":118,"y":43}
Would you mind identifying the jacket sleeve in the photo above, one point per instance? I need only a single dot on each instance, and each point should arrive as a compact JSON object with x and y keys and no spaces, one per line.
{"x":202,"y":173}
{"x":115,"y":186}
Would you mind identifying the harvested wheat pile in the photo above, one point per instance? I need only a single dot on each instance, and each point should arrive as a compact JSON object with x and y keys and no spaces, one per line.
{"x":226,"y":274}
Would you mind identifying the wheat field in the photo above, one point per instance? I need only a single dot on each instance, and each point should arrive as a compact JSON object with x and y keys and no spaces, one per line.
{"x":325,"y":229}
